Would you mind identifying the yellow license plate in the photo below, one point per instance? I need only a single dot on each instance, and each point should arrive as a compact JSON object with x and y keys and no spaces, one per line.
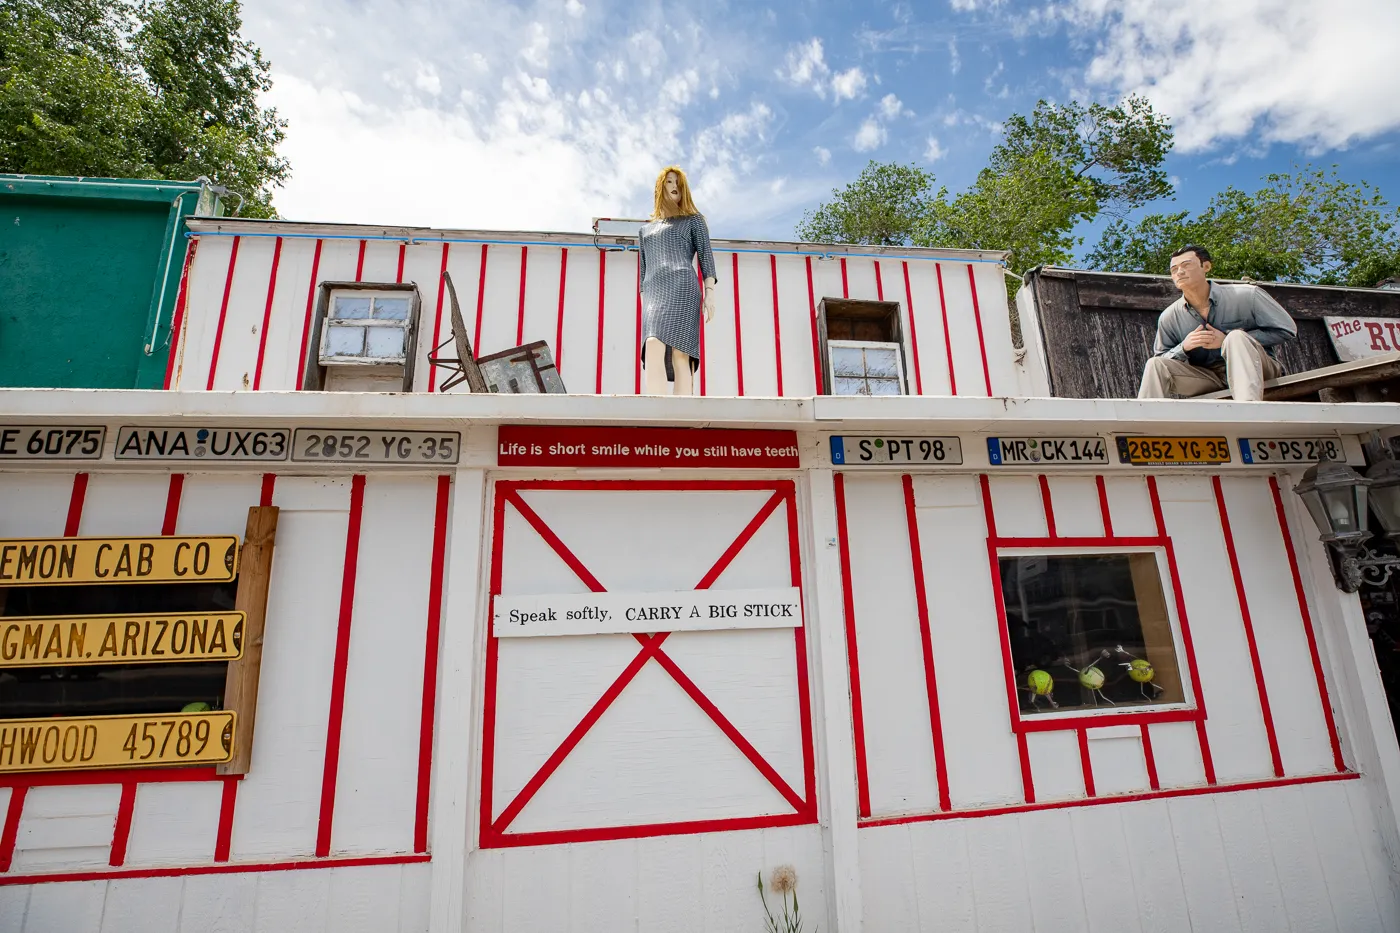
{"x":81,"y":742}
{"x":60,"y":641}
{"x":165,"y":559}
{"x":1162,"y":451}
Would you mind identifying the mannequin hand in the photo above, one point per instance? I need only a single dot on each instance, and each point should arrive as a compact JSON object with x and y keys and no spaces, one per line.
{"x":709,"y":305}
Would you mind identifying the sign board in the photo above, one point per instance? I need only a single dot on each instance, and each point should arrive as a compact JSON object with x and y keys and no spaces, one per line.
{"x":164,"y":559}
{"x":420,"y":448}
{"x":207,"y":444}
{"x":1357,"y":338}
{"x":78,"y":743}
{"x":40,"y":641}
{"x":1039,"y":451}
{"x":872,"y":451}
{"x":1173,"y":451}
{"x":51,"y":442}
{"x":1269,"y":450}
{"x":621,"y":613}
{"x":649,"y":448}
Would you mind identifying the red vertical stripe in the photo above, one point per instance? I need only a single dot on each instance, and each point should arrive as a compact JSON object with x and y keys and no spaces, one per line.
{"x":916,"y":554}
{"x":777,"y":324}
{"x":1103,"y":507}
{"x":879,"y":283}
{"x":804,"y":689}
{"x":269,"y":483}
{"x":10,"y":833}
{"x":223,"y":842}
{"x":430,"y":665}
{"x":1049,"y":505}
{"x":75,"y":505}
{"x":981,"y":341}
{"x":520,"y":313}
{"x":1307,"y":626}
{"x":559,"y":317}
{"x":845,"y":287}
{"x":437,"y":316}
{"x":121,"y":830}
{"x":947,"y":338}
{"x":488,"y":705}
{"x":179,"y":319}
{"x":1012,"y":703}
{"x":602,"y":293}
{"x":816,"y":343}
{"x":1265,"y":711}
{"x":913,"y":333}
{"x":342,"y":657}
{"x":398,"y":275}
{"x":637,"y":363}
{"x":223,"y":313}
{"x":267,"y":314}
{"x":1148,"y":758}
{"x":480,"y":302}
{"x":306,"y":323}
{"x":738,"y":328}
{"x":172,"y":503}
{"x":360,"y":263}
{"x":1086,"y":764}
{"x":852,"y":652}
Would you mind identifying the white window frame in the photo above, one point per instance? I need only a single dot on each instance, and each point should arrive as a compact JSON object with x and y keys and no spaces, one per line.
{"x":364,"y":359}
{"x":866,"y":345}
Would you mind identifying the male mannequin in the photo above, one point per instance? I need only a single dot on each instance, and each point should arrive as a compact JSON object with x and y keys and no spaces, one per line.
{"x":672,"y":302}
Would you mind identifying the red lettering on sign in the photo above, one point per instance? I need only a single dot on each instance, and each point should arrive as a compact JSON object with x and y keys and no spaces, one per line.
{"x":707,"y":448}
{"x":1377,"y":336}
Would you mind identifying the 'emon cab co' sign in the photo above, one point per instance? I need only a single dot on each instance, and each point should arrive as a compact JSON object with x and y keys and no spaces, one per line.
{"x":620,"y":613}
{"x":168,"y":559}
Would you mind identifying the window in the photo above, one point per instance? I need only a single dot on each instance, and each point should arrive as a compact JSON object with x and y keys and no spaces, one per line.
{"x":862,"y":347}
{"x":1089,"y":632}
{"x":365,"y":337}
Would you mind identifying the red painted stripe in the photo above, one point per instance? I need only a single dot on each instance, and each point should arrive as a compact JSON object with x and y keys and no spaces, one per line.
{"x":552,"y":539}
{"x":737,"y":545}
{"x":1092,"y":721}
{"x":306,"y":322}
{"x":178,"y":320}
{"x":1307,"y":626}
{"x":228,"y":801}
{"x":728,"y":485}
{"x":1086,"y":541}
{"x":1107,"y":800}
{"x":398,"y":274}
{"x":1207,"y":762}
{"x":269,"y":483}
{"x":172,"y":503}
{"x":1149,"y":759}
{"x":848,"y":603}
{"x":816,"y":343}
{"x":430,"y":665}
{"x":947,"y":338}
{"x":738,"y":328}
{"x":981,"y":340}
{"x":777,"y":324}
{"x":804,"y":691}
{"x":559,"y":317}
{"x":1086,"y":764}
{"x":338,"y":671}
{"x":10,"y":833}
{"x":647,"y":830}
{"x":1027,"y":777}
{"x":602,"y":292}
{"x":879,"y":283}
{"x":1049,"y":505}
{"x":1009,"y":670}
{"x":223,"y":313}
{"x":845,"y":287}
{"x":480,"y":302}
{"x":637,"y":375}
{"x":437,"y":316}
{"x":267,"y":314}
{"x":75,"y":505}
{"x":1264,"y":709}
{"x":488,"y":704}
{"x":110,"y":776}
{"x":175,"y":871}
{"x":520,"y":313}
{"x":916,"y":554}
{"x":360,"y":263}
{"x":121,"y":831}
{"x":913,"y":333}
{"x":1103,"y":506}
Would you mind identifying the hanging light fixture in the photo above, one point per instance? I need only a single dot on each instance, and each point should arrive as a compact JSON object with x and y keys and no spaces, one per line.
{"x":1336,"y":497}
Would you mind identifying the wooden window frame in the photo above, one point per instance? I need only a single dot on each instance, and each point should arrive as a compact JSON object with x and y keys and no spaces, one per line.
{"x":313,"y":378}
{"x":878,"y":322}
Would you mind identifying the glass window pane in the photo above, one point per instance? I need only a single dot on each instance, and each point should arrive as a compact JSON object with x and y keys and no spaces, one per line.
{"x":881,"y":361}
{"x":845,"y":386}
{"x":349,"y":307}
{"x":884,"y":387}
{"x":847,"y":361}
{"x":391,"y":309}
{"x":385,"y":342}
{"x":345,"y":340}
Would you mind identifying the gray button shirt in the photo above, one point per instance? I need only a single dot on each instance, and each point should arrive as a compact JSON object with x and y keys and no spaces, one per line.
{"x":1232,"y":307}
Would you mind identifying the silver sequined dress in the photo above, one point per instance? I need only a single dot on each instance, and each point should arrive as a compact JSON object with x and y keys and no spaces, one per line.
{"x":671,"y":297}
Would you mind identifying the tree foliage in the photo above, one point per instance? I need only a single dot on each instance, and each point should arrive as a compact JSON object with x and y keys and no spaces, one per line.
{"x":137,"y":89}
{"x":1308,"y":226}
{"x":887,"y":205}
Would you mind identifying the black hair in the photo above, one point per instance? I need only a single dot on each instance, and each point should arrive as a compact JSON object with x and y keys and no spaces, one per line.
{"x":1201,"y":252}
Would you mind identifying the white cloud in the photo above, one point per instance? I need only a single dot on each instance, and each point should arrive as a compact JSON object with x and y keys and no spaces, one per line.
{"x":954,"y":59}
{"x":805,"y":66}
{"x":1318,"y":74}
{"x":967,"y":6}
{"x":537,"y":52}
{"x":574,"y":8}
{"x":823,"y":155}
{"x":891,"y":107}
{"x":871,"y":135}
{"x":848,"y":84}
{"x":933,"y":151}
{"x":427,"y":80}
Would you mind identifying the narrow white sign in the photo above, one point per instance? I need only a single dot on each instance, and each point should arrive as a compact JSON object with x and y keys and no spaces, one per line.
{"x":620,"y":613}
{"x":1358,"y":338}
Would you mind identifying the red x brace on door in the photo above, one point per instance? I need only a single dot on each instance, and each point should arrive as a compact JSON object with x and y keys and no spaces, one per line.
{"x":804,"y":810}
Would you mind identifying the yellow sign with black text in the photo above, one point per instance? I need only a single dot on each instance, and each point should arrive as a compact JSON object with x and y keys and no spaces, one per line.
{"x":1172,"y":451}
{"x":165,"y":559}
{"x":61,"y":641}
{"x":82,"y":742}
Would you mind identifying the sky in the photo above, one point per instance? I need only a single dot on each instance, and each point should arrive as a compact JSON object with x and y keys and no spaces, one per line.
{"x":544,"y":115}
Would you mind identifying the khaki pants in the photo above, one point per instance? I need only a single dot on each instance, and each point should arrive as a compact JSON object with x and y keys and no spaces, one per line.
{"x":1246,"y":367}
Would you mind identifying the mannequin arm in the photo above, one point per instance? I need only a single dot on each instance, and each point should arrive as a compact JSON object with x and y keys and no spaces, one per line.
{"x":710,"y":299}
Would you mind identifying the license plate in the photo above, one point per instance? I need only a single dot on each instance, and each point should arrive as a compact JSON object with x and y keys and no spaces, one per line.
{"x":1010,"y":451}
{"x":45,"y":442}
{"x":208,"y":444}
{"x":1290,"y":449}
{"x":164,"y":559}
{"x":79,"y":743}
{"x":1163,"y":451}
{"x":317,"y":445}
{"x":61,"y":641}
{"x":895,"y":451}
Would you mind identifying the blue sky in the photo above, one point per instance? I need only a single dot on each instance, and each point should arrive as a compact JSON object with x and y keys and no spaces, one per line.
{"x":543,"y":115}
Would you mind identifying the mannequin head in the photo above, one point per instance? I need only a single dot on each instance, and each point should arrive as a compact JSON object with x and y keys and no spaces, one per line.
{"x":672,"y":194}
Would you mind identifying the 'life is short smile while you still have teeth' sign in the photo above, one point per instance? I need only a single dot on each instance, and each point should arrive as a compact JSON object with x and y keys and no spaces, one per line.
{"x":621,"y":613}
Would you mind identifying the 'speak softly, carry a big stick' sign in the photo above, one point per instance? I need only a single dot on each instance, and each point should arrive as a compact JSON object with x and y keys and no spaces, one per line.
{"x":621,"y":613}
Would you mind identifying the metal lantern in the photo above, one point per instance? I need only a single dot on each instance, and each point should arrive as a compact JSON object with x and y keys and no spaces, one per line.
{"x":1335,"y":495}
{"x":1385,"y":495}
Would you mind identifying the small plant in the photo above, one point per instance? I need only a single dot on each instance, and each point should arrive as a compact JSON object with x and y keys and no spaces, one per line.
{"x":784,"y":884}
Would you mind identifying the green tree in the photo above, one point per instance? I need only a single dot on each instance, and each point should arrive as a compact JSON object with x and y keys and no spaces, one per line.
{"x":1308,"y":226}
{"x":887,"y":205}
{"x":138,"y":89}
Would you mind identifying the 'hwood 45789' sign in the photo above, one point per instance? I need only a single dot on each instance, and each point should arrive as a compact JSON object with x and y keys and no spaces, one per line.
{"x":620,"y":613}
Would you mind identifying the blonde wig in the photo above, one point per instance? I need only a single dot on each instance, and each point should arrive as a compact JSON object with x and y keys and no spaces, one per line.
{"x":662,"y":206}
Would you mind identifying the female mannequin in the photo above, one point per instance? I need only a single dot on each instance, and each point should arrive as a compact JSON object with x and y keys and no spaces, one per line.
{"x":671,"y":299}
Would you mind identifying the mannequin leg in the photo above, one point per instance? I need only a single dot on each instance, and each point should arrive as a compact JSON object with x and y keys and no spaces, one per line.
{"x":655,"y":352}
{"x":685,"y":379}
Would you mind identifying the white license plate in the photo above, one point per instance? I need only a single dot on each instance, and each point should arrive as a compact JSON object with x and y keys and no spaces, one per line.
{"x":320,"y":445}
{"x":1290,"y":449}
{"x":895,"y":451}
{"x":207,"y":444}
{"x":50,"y":442}
{"x":1012,"y":451}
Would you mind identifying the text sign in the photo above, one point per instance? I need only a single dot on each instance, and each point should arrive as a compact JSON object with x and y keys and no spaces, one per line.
{"x":1359,"y":338}
{"x":1290,"y":449}
{"x":1013,"y":451}
{"x":620,"y":613}
{"x":45,"y":442}
{"x":603,"y":447}
{"x":120,"y":639}
{"x":72,"y":744}
{"x":166,"y":559}
{"x":847,"y":451}
{"x":208,"y":444}
{"x":1173,"y":451}
{"x":326,"y":445}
